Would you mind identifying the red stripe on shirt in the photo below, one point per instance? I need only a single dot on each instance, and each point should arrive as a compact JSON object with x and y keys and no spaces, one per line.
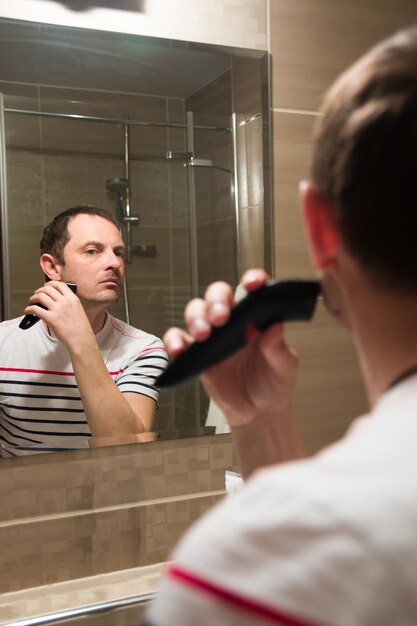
{"x":250,"y":606}
{"x":151,"y":349}
{"x":51,"y":373}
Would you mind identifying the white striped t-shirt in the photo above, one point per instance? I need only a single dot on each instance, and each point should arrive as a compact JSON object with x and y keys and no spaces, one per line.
{"x":40,"y":406}
{"x":330,"y":540}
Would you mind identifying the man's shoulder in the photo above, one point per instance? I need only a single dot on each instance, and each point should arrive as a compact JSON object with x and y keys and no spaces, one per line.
{"x":10,"y":323}
{"x":7,"y":327}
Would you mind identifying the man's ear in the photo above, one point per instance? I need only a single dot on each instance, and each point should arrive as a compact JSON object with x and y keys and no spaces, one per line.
{"x":50,"y":266}
{"x":321,"y":226}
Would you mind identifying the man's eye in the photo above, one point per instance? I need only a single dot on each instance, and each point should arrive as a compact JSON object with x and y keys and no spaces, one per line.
{"x":91,"y":251}
{"x":121,"y":254}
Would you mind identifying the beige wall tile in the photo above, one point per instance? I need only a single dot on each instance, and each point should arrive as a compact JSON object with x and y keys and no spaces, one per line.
{"x":128,"y":616}
{"x":25,"y":272}
{"x":246,"y":86}
{"x":216,"y":253}
{"x":22,"y":131}
{"x":73,"y":180}
{"x":20,"y":96}
{"x":212,"y":195}
{"x":148,"y":142}
{"x":191,"y":403}
{"x":38,"y":486}
{"x":181,"y":271}
{"x":215,"y":145}
{"x":150,"y":192}
{"x":149,"y":308}
{"x":84,"y":592}
{"x":329,"y":391}
{"x":19,"y":299}
{"x":79,"y":138}
{"x":150,"y":271}
{"x":25,"y":188}
{"x":292,"y":147}
{"x":313,"y":40}
{"x":177,"y":517}
{"x":214,"y":98}
{"x":98,"y":137}
{"x":97,"y":512}
{"x":164,"y":420}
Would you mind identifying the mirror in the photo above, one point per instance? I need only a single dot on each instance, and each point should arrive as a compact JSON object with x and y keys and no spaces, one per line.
{"x":171,"y":137}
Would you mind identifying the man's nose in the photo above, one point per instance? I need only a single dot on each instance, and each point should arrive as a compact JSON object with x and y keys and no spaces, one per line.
{"x":114,"y":260}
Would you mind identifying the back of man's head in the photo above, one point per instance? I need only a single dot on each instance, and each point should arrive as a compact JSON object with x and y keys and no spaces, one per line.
{"x":365,"y":160}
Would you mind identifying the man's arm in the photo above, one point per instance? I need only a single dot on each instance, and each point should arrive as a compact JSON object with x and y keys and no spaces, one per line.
{"x":252,"y":387}
{"x":109,"y":412}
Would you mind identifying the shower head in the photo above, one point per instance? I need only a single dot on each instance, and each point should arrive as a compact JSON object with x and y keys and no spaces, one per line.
{"x":117,"y":185}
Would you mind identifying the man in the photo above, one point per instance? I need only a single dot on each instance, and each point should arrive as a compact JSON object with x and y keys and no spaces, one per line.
{"x":331,"y":539}
{"x":79,"y":377}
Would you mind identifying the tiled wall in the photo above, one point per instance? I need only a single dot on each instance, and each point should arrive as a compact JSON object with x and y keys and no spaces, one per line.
{"x":81,"y":515}
{"x":311,"y":41}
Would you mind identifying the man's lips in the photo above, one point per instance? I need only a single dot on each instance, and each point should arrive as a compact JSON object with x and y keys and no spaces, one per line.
{"x":110,"y":281}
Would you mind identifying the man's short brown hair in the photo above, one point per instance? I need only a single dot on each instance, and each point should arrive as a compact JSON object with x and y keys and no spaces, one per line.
{"x":365,"y":159}
{"x":55,"y":236}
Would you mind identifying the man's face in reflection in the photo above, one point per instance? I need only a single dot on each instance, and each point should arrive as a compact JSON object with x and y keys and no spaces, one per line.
{"x":94,"y":259}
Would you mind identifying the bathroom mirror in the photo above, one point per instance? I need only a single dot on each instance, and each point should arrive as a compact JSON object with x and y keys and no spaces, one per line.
{"x":172,"y":137}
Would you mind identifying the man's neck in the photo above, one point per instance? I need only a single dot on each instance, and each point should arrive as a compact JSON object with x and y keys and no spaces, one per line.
{"x":385,"y":331}
{"x":97,"y":318}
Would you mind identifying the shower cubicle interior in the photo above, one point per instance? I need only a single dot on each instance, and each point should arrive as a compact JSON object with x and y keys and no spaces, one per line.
{"x":91,"y":118}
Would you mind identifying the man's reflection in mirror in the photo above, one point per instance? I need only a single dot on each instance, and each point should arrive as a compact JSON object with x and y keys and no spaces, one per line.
{"x":80,"y":377}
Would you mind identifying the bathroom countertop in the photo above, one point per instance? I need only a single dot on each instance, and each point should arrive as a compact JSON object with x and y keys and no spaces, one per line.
{"x":79,"y":593}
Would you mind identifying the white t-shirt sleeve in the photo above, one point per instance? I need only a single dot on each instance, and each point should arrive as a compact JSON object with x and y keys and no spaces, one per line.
{"x":140,"y":373}
{"x":271,"y":554}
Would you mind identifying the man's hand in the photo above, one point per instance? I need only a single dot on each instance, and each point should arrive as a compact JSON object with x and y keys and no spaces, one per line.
{"x":63,"y":312}
{"x":257,"y":380}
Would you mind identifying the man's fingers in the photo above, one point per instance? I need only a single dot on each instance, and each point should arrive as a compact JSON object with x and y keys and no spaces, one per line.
{"x":39,"y":297}
{"x":176,"y":341}
{"x":254,"y":278}
{"x":196,"y":318}
{"x":219,"y":299}
{"x":54,"y":289}
{"x":214,"y":310}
